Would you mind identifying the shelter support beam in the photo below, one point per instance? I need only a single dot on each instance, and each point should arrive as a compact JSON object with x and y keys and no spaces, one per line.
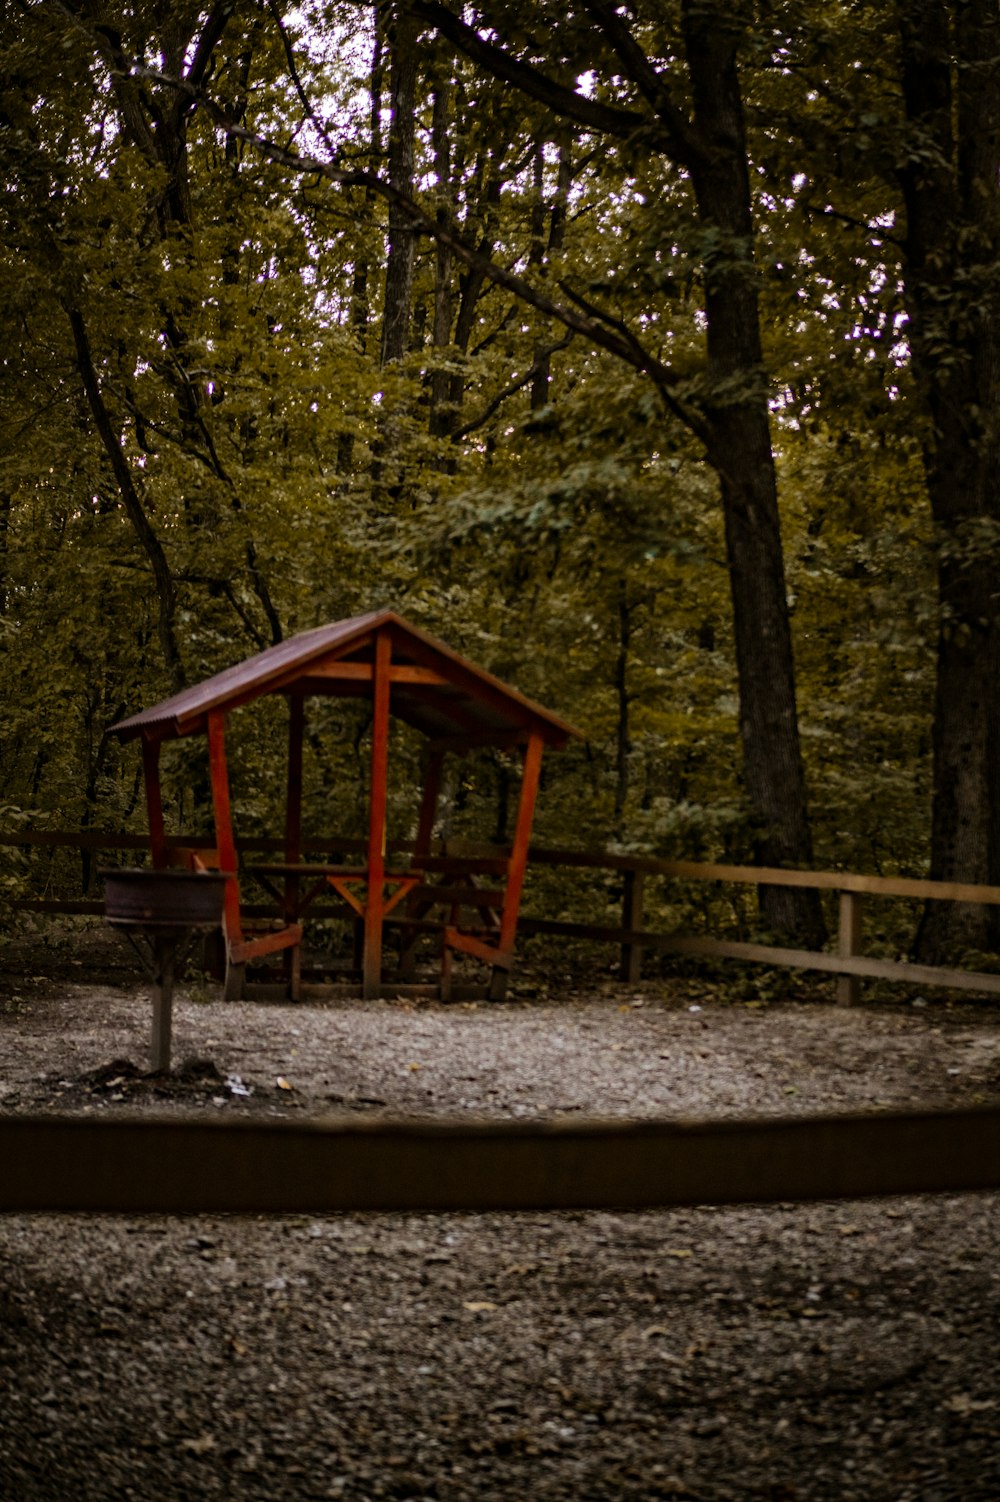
{"x":371,"y":981}
{"x":433,"y":774}
{"x":429,"y":804}
{"x":224,"y":840}
{"x":293,"y":838}
{"x":517,"y":865}
{"x":154,"y":802}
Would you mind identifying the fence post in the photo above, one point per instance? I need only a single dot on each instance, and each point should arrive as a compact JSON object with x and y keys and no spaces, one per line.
{"x":848,"y":945}
{"x":630,"y":969}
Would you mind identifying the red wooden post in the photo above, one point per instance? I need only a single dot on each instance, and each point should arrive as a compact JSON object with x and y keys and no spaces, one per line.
{"x":428,"y":805}
{"x":518,"y":862}
{"x":422,"y":847}
{"x":293,"y":836}
{"x":371,"y":982}
{"x":154,"y":801}
{"x":224,"y":823}
{"x":517,"y":865}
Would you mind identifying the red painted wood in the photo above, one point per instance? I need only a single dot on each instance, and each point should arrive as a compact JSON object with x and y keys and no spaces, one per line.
{"x":519,"y":848}
{"x":216,"y":730}
{"x":428,"y":805}
{"x":374,"y":909}
{"x":154,"y":801}
{"x":293,"y":838}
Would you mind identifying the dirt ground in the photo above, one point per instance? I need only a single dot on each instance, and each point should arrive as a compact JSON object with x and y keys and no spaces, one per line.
{"x":838,"y":1350}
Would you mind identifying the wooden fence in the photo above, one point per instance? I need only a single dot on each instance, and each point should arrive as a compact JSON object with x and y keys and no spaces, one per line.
{"x":848,"y":963}
{"x":116,"y":1165}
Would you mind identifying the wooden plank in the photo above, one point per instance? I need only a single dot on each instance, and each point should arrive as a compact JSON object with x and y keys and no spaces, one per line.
{"x":465,"y":943}
{"x":773,"y":876}
{"x":363,"y":672}
{"x":85,"y":839}
{"x":165,"y":1166}
{"x":265,"y":944}
{"x":879,"y":886}
{"x":766,"y":954}
{"x":478,"y":897}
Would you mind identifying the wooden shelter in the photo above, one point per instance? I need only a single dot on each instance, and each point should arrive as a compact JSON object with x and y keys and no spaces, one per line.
{"x":403,"y":672}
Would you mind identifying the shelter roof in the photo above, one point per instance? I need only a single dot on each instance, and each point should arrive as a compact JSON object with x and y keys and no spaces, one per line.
{"x":440,"y":693}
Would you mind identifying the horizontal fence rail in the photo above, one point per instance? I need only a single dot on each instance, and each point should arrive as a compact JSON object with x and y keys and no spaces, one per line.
{"x":166,"y":1166}
{"x":849,"y":964}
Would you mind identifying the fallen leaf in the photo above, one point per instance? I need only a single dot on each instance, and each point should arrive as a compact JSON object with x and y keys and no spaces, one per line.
{"x":284,"y":1084}
{"x":964,"y":1404}
{"x":678,"y":1251}
{"x":199,"y":1446}
{"x":478,"y":1305}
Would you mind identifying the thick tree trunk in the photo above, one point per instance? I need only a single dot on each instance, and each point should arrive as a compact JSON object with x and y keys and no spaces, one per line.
{"x":735,"y":422}
{"x":739,"y":449}
{"x":951,"y":80}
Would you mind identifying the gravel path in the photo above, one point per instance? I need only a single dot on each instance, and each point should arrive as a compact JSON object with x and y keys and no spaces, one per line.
{"x":823,"y":1351}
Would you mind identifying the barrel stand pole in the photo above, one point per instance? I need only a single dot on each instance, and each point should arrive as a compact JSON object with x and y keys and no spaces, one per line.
{"x":164,"y":960}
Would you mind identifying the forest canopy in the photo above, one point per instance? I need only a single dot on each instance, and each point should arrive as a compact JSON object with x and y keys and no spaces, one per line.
{"x":647,"y":353}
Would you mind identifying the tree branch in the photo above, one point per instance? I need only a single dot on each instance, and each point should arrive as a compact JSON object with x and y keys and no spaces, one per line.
{"x":621,"y":123}
{"x":512,"y":390}
{"x":625,"y":347}
{"x":134,"y":507}
{"x":686,"y":145}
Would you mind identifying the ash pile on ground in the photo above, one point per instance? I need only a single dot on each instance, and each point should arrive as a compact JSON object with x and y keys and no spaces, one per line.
{"x":838,"y":1350}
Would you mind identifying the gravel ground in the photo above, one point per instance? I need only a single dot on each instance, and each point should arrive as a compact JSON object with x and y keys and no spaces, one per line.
{"x":837,"y":1350}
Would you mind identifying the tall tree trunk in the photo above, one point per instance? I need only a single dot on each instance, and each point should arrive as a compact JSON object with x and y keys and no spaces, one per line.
{"x":403,"y":55}
{"x":951,"y":84}
{"x":739,"y":449}
{"x":360,"y":312}
{"x":542,"y":247}
{"x":442,"y":415}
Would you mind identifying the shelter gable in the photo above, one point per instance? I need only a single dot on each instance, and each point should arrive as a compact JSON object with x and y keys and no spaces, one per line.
{"x":433,"y":689}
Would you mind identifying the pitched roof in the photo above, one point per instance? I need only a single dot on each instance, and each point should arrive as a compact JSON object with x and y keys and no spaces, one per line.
{"x":451,"y":697}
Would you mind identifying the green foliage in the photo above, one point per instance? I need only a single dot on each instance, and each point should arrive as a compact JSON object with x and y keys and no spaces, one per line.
{"x":532,"y":499}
